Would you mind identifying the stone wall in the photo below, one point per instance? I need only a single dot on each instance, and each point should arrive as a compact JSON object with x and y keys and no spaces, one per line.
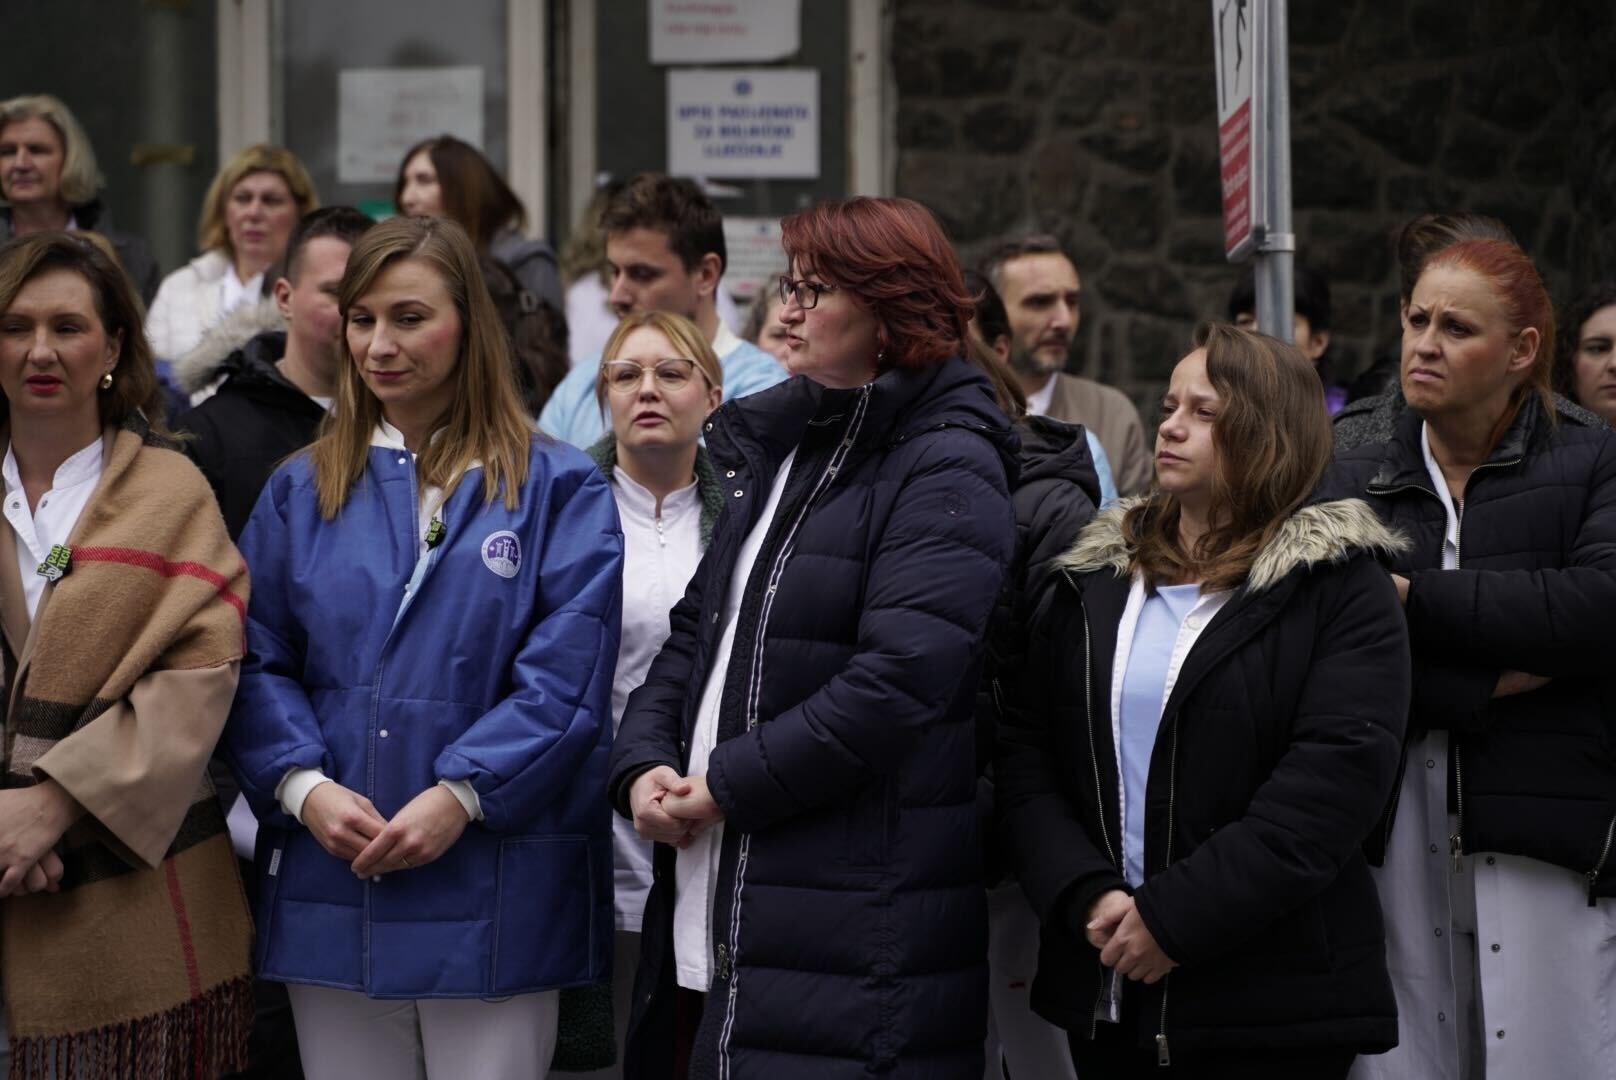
{"x":1094,"y":119}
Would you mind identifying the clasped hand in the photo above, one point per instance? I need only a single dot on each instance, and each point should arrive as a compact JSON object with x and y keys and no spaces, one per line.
{"x":348,"y":826}
{"x":672,"y":809}
{"x":1125,"y":942}
{"x":32,"y":820}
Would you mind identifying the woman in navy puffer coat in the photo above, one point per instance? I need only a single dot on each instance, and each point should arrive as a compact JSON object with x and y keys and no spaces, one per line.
{"x":805,"y":738}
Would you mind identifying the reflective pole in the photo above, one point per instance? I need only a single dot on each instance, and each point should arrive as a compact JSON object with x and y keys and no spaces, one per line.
{"x":1276,"y":245}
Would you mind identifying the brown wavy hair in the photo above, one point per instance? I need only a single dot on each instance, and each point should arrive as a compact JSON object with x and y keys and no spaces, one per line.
{"x":485,"y":422}
{"x":135,"y":387}
{"x":894,"y":259}
{"x":1272,"y":436}
{"x":470,"y":188}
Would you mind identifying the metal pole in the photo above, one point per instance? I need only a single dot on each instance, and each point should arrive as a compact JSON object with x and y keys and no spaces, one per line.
{"x":1276,"y":247}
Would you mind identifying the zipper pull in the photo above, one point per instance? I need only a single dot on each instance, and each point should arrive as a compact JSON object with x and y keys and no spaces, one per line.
{"x":1163,"y":1058}
{"x":1456,"y":852}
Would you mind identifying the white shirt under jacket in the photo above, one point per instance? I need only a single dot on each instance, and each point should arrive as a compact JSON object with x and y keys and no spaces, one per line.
{"x":696,"y":869}
{"x":660,"y":553}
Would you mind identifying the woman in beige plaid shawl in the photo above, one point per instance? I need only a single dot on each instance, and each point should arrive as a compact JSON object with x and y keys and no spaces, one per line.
{"x":124,"y":936}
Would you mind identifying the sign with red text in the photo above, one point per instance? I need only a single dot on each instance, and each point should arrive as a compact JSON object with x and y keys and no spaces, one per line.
{"x":723,"y":31}
{"x":1236,"y":43}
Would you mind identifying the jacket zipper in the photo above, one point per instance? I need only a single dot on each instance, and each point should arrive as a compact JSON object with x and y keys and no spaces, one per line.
{"x":1163,"y":1055}
{"x":1599,"y":867}
{"x":1099,"y":796}
{"x":728,"y":962}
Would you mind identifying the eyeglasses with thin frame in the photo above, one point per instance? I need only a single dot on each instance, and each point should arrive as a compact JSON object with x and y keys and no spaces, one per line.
{"x":627,"y":376}
{"x":806,"y":292}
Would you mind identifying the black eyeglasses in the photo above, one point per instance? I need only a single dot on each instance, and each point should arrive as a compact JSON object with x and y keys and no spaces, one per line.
{"x":626,"y":376}
{"x":806,"y":292}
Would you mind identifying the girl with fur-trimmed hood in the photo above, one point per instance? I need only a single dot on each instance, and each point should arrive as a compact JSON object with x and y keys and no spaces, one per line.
{"x":1209,"y":726}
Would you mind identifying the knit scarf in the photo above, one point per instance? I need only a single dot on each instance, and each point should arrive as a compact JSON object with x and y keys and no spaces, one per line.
{"x":130,"y":970}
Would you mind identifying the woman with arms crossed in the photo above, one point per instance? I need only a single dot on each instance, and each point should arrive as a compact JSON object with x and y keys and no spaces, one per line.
{"x":422,"y":725}
{"x":1499,"y":883}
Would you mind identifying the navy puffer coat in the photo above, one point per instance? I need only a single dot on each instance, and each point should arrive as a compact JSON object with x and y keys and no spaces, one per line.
{"x":850,"y":925}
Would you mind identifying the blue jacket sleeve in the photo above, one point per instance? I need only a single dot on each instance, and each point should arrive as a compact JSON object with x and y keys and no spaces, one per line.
{"x":528,"y":747}
{"x":272,"y":726}
{"x":931,"y":589}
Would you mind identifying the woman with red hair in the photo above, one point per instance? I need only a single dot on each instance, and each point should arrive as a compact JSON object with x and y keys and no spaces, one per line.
{"x":1498,"y":881}
{"x":803,"y":746}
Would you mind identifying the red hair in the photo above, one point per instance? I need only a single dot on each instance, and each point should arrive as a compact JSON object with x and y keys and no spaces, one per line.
{"x":895,"y":260}
{"x":1520,"y":292}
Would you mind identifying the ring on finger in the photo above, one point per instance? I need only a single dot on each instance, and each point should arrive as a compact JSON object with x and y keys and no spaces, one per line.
{"x":406,"y":862}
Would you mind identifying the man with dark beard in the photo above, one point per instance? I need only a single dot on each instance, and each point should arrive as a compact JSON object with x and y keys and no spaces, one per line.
{"x":1041,"y":290}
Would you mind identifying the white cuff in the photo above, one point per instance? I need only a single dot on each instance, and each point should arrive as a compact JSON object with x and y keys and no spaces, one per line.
{"x":294,"y":789}
{"x":462,"y":790}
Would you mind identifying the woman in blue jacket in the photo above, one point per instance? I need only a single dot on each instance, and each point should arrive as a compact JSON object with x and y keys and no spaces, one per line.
{"x":424,"y":715}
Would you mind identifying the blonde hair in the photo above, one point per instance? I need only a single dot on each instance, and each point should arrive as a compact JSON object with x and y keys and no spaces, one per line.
{"x":80,"y":178}
{"x":484,"y":423}
{"x":681,"y":333}
{"x":211,"y":232}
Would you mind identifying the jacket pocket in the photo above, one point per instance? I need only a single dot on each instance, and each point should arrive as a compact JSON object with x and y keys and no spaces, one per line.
{"x":545,"y":928}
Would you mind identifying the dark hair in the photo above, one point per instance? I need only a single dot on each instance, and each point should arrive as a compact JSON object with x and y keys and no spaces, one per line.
{"x":337,"y":222}
{"x":1428,"y":234}
{"x":1601,"y":294}
{"x":991,"y":317}
{"x":675,"y":207}
{"x":1273,"y":443}
{"x":135,"y":387}
{"x":1016,"y":247}
{"x":472,"y":192}
{"x":1312,"y":296}
{"x":894,"y":260}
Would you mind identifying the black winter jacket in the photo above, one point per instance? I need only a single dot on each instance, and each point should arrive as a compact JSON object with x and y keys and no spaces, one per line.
{"x":1056,"y":496}
{"x":850,"y":924}
{"x":1277,"y":749}
{"x":255,"y":421}
{"x":1533,"y":774}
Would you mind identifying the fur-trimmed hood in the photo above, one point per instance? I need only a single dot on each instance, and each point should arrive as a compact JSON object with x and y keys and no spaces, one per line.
{"x":1325,"y":532}
{"x":200,"y":368}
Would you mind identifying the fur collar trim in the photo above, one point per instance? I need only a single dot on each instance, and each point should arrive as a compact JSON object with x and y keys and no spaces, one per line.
{"x":200,"y":367}
{"x":1326,"y":532}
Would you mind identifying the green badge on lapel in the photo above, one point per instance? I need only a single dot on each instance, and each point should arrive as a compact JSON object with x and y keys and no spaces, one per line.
{"x":57,"y":563}
{"x":434,"y":533}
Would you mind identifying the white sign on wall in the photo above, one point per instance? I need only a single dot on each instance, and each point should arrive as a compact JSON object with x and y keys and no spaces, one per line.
{"x":720,"y":31}
{"x":743,"y":122}
{"x":755,"y":254}
{"x":382,"y":112}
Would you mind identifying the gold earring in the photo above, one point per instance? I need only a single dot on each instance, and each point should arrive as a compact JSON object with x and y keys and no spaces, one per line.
{"x":106,"y":381}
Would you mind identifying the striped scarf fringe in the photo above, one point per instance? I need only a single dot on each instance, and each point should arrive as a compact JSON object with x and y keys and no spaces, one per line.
{"x":203,"y":1037}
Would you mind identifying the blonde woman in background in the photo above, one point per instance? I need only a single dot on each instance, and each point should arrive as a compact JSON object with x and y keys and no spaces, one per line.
{"x":247,"y":218}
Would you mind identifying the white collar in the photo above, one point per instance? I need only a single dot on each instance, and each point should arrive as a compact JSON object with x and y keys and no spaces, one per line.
{"x":1440,"y":483}
{"x":725,"y":341}
{"x":1039,"y":400}
{"x":80,"y":466}
{"x":387,"y":436}
{"x":635,"y":497}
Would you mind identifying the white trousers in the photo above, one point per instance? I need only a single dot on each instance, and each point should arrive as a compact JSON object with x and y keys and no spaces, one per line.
{"x":344,"y":1035}
{"x":1020,"y":1042}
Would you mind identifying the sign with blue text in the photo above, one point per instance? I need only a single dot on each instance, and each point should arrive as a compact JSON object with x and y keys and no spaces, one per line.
{"x":744,"y":122}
